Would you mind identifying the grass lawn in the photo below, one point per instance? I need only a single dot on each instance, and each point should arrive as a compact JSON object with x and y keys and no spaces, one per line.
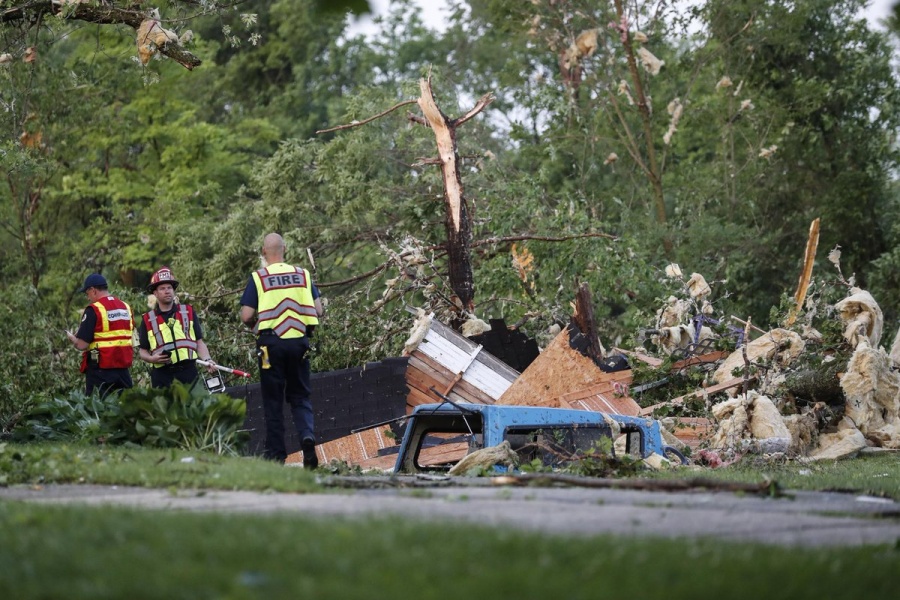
{"x":86,"y":552}
{"x":47,"y":462}
{"x":68,"y":552}
{"x":874,"y":474}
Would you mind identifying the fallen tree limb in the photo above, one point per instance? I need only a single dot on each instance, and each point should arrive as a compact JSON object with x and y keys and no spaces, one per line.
{"x":767,"y":488}
{"x":702,"y":393}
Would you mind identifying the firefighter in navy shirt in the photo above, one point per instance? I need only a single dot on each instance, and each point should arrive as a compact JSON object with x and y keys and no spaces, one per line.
{"x":282,"y":305}
{"x":104,"y":337}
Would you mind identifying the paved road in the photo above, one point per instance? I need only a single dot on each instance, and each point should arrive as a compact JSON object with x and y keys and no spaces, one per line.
{"x":804,"y":519}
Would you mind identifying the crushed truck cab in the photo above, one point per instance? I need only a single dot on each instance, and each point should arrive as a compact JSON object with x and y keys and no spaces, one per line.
{"x":439,"y":435}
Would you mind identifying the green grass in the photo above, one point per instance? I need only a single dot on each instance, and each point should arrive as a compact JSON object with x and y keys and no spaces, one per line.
{"x":45,"y":462}
{"x":85,"y":552}
{"x":66,"y":552}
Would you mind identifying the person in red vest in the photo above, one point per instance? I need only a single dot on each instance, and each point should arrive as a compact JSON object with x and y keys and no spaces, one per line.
{"x":282,"y":305}
{"x":170,"y":336}
{"x":104,"y":337}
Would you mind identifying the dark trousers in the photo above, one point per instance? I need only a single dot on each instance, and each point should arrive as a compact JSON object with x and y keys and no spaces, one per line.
{"x":185,"y":372}
{"x":285,"y":380}
{"x":105,"y":381}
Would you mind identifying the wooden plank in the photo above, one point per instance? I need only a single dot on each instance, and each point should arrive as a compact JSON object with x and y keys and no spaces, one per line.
{"x":452,"y":345}
{"x":644,"y":358}
{"x":450,"y":385}
{"x":605,"y":384}
{"x":624,"y":405}
{"x":428,"y":364}
{"x":472,"y":393}
{"x":423,"y":380}
{"x":492,"y":383}
{"x":445,"y":353}
{"x":498,"y":366}
{"x":418,"y":377}
{"x":417,"y":397}
{"x":697,"y":360}
{"x":445,"y":453}
{"x":713,"y":389}
{"x":693,"y":431}
{"x":420,"y":369}
{"x":460,"y":341}
{"x":352,"y":449}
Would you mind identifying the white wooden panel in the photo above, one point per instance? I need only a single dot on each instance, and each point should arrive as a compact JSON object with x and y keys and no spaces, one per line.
{"x":445,"y":353}
{"x":486,"y":380}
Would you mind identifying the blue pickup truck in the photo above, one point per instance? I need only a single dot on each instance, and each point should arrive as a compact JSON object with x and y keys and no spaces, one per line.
{"x":438,"y":436}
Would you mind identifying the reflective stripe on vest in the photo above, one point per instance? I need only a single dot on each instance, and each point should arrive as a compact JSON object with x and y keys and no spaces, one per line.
{"x":175,"y":336}
{"x":112,"y":334}
{"x":285,"y":303}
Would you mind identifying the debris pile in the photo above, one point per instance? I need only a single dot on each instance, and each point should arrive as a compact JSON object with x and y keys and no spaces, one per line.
{"x":818,"y":386}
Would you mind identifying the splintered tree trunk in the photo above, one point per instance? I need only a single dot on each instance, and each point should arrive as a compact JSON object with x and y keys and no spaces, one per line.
{"x":584,"y":319}
{"x":456,"y":216}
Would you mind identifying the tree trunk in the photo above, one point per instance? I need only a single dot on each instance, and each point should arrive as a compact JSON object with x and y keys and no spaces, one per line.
{"x":818,"y":385}
{"x":456,"y":216}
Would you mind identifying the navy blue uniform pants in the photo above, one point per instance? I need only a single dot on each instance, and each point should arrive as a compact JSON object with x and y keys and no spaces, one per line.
{"x":184,"y":371}
{"x":105,"y":381}
{"x":287,"y":379}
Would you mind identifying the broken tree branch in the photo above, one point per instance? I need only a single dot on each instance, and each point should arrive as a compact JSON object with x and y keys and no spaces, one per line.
{"x":657,"y":485}
{"x":701,"y":393}
{"x":353,"y":124}
{"x":541,"y":238}
{"x":416,"y":119}
{"x":746,"y":384}
{"x":475,"y":244}
{"x":101,"y":14}
{"x":479,"y":106}
{"x":809,"y":259}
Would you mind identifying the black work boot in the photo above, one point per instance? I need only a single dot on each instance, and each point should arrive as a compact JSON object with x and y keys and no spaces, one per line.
{"x":310,"y":460}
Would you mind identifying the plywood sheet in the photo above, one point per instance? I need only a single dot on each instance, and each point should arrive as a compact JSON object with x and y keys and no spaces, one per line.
{"x":608,"y":403}
{"x":559,"y":370}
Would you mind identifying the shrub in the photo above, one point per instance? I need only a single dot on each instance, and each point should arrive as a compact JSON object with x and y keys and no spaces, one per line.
{"x":174,"y":417}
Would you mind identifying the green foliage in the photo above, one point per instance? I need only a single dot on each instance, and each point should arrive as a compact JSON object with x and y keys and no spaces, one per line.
{"x":175,"y":417}
{"x":157,"y":165}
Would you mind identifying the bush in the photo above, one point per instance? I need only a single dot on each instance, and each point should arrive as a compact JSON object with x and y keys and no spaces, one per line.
{"x":174,"y":417}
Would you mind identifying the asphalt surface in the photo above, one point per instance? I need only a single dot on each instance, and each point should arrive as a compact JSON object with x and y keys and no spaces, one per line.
{"x":799,"y":519}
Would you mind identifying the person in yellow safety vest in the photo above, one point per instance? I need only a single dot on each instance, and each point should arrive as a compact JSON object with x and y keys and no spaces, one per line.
{"x":283,"y":307}
{"x":104,"y":337}
{"x":170,"y":336}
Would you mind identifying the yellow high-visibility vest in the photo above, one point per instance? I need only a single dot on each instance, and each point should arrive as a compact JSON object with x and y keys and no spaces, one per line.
{"x":176,"y":335}
{"x":285,"y":301}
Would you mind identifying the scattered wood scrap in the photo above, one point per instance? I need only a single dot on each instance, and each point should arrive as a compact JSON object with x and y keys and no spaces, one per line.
{"x":456,"y":367}
{"x":701,"y":393}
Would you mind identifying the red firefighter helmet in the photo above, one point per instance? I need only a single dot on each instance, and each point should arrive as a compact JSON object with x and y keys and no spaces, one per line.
{"x":163,"y":275}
